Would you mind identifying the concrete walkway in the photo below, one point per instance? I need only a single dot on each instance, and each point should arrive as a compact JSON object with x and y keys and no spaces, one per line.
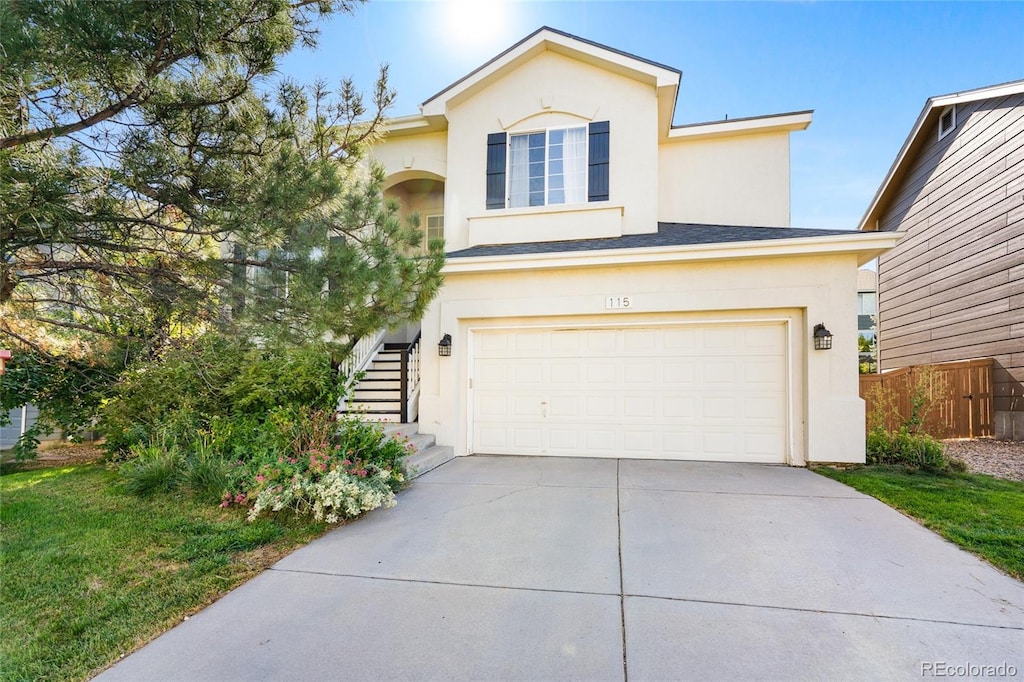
{"x":511,"y":568}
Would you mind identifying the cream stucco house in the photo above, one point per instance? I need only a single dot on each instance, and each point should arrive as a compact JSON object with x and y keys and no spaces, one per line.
{"x":616,"y":286}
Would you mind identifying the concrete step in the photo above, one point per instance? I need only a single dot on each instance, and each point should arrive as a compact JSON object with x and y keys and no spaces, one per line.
{"x":388,"y":417}
{"x":408,"y":430}
{"x":422,"y":441}
{"x":428,"y":459}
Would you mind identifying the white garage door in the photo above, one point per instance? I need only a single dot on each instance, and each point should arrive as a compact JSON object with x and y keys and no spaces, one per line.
{"x":704,"y":392}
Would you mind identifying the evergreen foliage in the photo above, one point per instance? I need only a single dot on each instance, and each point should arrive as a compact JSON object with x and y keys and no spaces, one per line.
{"x":160,"y":184}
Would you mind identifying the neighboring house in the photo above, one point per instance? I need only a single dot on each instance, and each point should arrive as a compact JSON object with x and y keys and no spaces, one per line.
{"x":954,"y":287}
{"x":617,"y":286}
{"x":20,"y":419}
{"x":867,"y":316}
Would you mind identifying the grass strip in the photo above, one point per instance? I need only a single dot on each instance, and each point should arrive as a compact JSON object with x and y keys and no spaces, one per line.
{"x":90,"y":572}
{"x":980,"y":513}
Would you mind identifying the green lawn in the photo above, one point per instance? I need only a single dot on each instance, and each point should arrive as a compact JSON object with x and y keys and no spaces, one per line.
{"x":89,"y":572}
{"x":981,"y":514}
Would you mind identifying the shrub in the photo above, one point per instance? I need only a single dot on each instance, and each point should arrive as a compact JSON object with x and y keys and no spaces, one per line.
{"x":196,"y":382}
{"x":297,"y":459}
{"x":906,"y":448}
{"x":153,"y":468}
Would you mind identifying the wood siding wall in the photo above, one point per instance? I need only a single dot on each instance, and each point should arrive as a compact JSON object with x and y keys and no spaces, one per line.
{"x":953,"y":288}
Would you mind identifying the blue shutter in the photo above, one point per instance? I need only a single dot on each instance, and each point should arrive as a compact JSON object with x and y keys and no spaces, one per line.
{"x":497,"y":147}
{"x":597,"y":180}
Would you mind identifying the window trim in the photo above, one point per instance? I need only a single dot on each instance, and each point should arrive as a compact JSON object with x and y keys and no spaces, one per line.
{"x":426,"y":228}
{"x":951,"y":109}
{"x":586,"y":164}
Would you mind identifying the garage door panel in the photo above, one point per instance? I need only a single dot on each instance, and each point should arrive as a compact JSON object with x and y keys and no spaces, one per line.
{"x":719,"y":372}
{"x":763,"y":371}
{"x":491,"y":373}
{"x":527,"y":438}
{"x":675,"y":372}
{"x":679,"y":406}
{"x":601,"y":342}
{"x":643,"y":373}
{"x":564,"y":439}
{"x":640,"y":407}
{"x":720,"y":408}
{"x":601,"y":371}
{"x":565,"y":342}
{"x":602,"y":406}
{"x":640,"y":340}
{"x":564,"y":373}
{"x":528,"y":373}
{"x":767,"y":409}
{"x":679,"y":338}
{"x":565,"y":406}
{"x":681,"y":392}
{"x":528,"y":344}
{"x":491,"y":406}
{"x":492,"y":439}
{"x":638,"y":442}
{"x":525,"y":406}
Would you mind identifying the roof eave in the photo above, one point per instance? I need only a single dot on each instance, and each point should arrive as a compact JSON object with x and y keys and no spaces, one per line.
{"x":796,"y":120}
{"x":867,"y":249}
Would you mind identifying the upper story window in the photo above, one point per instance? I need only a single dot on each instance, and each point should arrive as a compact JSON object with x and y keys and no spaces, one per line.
{"x":435,"y":228}
{"x":551,"y":167}
{"x":867,"y":303}
{"x":548,"y":168}
{"x":947,"y":121}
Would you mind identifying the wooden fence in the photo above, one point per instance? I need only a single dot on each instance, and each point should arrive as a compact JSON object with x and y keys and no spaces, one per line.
{"x":957,"y":403}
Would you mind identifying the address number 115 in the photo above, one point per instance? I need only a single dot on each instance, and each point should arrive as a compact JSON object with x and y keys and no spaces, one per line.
{"x":613,"y":302}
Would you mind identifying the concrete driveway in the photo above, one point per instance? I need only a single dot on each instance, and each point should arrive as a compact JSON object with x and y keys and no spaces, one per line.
{"x":556,"y":569}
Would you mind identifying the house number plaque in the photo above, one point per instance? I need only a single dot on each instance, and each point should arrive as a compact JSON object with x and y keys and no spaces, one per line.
{"x":617,"y":302}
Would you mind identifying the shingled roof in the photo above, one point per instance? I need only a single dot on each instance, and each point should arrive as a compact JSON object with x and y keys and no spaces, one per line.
{"x":668,"y":234}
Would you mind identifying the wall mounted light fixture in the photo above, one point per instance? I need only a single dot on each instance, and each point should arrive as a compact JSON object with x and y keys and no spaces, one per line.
{"x":444,"y":346}
{"x":822,"y":338}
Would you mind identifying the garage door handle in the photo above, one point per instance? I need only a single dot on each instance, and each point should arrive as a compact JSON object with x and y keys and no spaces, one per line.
{"x":543,"y":409}
{"x":969,"y":396}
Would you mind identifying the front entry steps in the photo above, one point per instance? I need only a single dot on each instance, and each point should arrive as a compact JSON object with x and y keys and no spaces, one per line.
{"x":428,"y":454}
{"x":378,"y":395}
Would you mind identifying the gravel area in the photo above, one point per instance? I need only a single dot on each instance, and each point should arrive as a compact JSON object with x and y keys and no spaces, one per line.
{"x":1002,"y":458}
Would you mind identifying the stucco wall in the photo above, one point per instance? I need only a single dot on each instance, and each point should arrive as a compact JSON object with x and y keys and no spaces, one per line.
{"x":827,"y":415}
{"x":736,"y":180}
{"x":412,"y":156}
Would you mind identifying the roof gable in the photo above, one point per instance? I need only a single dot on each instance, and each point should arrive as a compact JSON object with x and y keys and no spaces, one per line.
{"x":664,"y":78}
{"x":926,"y":119}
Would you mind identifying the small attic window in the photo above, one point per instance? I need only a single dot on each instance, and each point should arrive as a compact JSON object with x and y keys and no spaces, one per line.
{"x":947,"y":121}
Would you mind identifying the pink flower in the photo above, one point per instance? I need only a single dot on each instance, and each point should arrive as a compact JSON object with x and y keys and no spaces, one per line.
{"x":259,"y":478}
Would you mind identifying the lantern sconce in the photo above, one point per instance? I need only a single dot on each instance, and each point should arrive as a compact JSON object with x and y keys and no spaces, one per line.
{"x":444,"y":347}
{"x":822,"y":338}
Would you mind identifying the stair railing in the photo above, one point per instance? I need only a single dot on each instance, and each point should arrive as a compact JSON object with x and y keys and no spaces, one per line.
{"x":362,"y":354}
{"x":410,"y":384}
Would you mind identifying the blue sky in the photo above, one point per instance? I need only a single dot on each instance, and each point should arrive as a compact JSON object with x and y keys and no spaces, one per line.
{"x":865,"y":68}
